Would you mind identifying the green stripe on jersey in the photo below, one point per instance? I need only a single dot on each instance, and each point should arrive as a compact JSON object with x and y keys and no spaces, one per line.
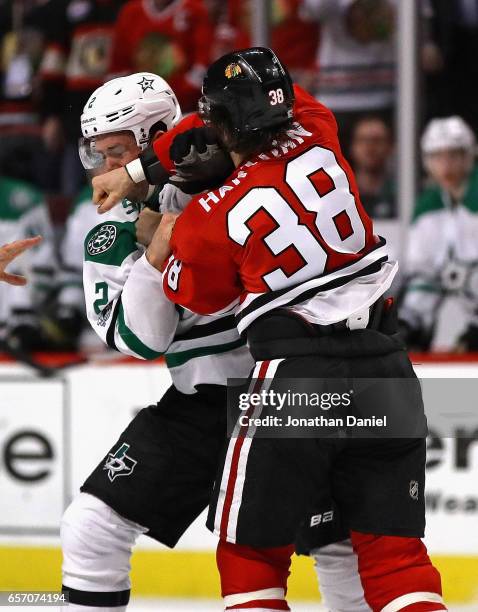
{"x":111,"y":242}
{"x":424,"y":287}
{"x":132,"y":341}
{"x":173,"y":360}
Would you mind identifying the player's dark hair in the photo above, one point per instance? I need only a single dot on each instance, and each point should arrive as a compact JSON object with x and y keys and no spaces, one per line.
{"x":248,"y":143}
{"x":159,"y":126}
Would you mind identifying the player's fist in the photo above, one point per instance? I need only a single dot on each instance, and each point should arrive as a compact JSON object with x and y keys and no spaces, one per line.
{"x":112,"y":187}
{"x":8,"y":252}
{"x":199,"y":160}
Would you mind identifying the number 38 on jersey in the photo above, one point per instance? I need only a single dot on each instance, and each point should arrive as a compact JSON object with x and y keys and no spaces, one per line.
{"x":313,"y":224}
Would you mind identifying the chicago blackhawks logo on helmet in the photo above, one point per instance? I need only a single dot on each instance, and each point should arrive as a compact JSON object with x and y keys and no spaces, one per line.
{"x":233,"y":70}
{"x":101,"y":240}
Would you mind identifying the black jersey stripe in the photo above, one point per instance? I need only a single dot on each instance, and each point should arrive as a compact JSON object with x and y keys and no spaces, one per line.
{"x":110,"y":334}
{"x":270,"y":299}
{"x":208,"y":329}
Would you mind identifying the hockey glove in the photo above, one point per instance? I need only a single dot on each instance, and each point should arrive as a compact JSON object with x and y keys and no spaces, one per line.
{"x":200,"y":161}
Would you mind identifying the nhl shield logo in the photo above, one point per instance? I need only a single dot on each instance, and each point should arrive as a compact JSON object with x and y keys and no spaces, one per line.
{"x":413,"y":489}
{"x":119,"y":463}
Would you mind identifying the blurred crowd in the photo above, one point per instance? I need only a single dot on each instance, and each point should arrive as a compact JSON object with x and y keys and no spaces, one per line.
{"x":54,"y":53}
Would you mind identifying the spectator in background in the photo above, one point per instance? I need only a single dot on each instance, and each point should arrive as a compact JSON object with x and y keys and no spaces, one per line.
{"x":69,"y":317}
{"x":293,"y":39}
{"x":79,"y":37}
{"x":356,"y":58}
{"x":443,"y":244}
{"x":371,"y":152}
{"x":21,"y":46}
{"x":451,"y":85}
{"x":171,"y":38}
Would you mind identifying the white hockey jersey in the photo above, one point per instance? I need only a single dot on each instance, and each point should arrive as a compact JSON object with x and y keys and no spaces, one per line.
{"x":442,"y":256}
{"x":127,"y":308}
{"x":23,"y":214}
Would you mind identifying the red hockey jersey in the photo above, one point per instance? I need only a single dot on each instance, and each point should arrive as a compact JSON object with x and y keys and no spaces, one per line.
{"x":286,"y":226}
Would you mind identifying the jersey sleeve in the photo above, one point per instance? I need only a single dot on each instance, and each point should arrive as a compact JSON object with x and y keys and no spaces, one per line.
{"x":120,"y":288}
{"x":201,"y":275}
{"x":422,"y":293}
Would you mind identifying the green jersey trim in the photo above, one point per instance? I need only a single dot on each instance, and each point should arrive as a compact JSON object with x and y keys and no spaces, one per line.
{"x":173,"y":360}
{"x":132,"y":341}
{"x":424,"y":287}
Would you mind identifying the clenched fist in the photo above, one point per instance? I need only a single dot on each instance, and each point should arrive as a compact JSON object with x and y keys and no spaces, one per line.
{"x":112,"y":187}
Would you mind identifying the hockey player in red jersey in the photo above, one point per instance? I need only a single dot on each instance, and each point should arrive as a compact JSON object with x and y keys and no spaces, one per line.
{"x":285,"y":244}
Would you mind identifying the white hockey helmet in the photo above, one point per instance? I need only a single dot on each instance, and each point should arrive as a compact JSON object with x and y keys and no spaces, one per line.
{"x":140,"y":103}
{"x":448,"y":133}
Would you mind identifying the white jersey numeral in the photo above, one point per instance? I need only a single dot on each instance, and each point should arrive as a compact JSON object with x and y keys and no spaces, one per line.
{"x":276,"y":96}
{"x":333,"y":204}
{"x":173,"y":274}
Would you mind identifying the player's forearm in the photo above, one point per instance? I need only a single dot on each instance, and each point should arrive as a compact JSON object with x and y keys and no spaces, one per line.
{"x":159,"y":249}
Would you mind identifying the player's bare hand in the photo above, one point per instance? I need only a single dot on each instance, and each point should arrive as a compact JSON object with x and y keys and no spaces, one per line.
{"x":146,"y":225}
{"x":8,"y":252}
{"x":159,"y":249}
{"x":112,"y":187}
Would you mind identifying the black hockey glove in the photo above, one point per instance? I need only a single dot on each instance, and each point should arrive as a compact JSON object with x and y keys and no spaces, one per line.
{"x":200,"y":161}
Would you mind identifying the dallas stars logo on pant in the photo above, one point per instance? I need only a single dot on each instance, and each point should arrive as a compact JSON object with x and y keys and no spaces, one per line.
{"x":119,"y":463}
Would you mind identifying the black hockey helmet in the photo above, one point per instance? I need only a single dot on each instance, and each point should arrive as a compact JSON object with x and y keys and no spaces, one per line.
{"x":252,"y":87}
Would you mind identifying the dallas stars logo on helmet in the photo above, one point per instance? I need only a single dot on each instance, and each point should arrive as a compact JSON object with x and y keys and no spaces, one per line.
{"x":233,"y":70}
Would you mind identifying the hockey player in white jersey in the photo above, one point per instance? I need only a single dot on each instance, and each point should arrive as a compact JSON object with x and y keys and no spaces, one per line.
{"x":164,"y":490}
{"x":24,"y":214}
{"x":157,"y":478}
{"x":443,"y":245}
